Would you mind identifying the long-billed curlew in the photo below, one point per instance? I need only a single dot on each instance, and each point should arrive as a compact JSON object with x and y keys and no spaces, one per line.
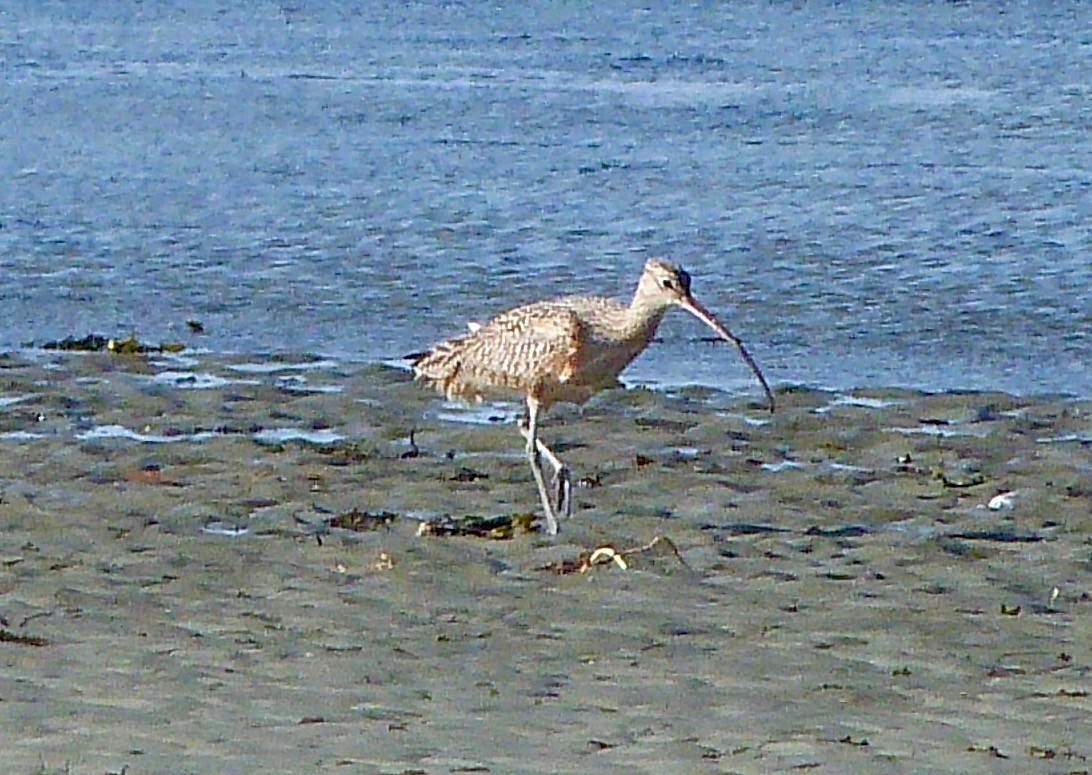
{"x":567,"y":350}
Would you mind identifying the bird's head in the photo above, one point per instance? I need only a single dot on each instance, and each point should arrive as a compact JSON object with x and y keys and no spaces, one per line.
{"x":664,"y":285}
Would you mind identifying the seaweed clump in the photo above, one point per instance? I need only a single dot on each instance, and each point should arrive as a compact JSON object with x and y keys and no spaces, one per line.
{"x":501,"y":528}
{"x":96,"y":343}
{"x":362,"y":521}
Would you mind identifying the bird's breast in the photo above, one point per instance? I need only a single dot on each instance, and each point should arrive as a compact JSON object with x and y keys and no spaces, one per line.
{"x":604,"y":356}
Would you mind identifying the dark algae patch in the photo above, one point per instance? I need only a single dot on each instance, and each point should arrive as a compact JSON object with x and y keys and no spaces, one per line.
{"x":499,"y":528}
{"x":7,"y":636}
{"x":362,"y":521}
{"x":96,"y":343}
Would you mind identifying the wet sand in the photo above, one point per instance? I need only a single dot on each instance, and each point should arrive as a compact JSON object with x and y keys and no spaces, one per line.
{"x":174,"y":599}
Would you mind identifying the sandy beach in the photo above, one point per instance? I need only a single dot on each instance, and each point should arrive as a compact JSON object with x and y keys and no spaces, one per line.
{"x":213,"y":564}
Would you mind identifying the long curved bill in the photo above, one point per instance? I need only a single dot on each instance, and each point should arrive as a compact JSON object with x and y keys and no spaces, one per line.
{"x":702,"y":314}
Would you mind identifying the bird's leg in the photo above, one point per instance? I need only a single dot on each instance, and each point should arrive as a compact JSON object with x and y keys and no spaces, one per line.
{"x":562,"y":477}
{"x":562,"y":480}
{"x":547,"y":506}
{"x":536,"y":466}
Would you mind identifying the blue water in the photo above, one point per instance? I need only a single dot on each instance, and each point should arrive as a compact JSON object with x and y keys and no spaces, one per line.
{"x":869,"y":194}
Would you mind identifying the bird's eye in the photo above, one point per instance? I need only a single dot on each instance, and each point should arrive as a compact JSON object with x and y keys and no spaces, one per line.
{"x":668,"y":285}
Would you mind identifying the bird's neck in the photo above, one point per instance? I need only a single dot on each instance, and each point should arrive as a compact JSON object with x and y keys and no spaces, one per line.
{"x":644,"y":316}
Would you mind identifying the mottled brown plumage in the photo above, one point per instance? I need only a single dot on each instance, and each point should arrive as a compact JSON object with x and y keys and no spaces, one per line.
{"x":563,"y":350}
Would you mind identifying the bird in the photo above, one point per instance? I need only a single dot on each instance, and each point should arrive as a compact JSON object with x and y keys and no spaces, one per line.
{"x":563,"y":350}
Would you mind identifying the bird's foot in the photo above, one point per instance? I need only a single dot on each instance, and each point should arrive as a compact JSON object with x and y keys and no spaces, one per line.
{"x":552,"y":527}
{"x":564,"y":483}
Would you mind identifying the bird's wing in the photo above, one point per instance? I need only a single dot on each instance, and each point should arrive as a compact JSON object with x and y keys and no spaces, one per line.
{"x":517,"y":351}
{"x":529,"y":344}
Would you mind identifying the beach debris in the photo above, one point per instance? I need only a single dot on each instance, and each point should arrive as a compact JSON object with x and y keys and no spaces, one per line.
{"x":743,"y":528}
{"x":1040,"y":752}
{"x":362,"y":521}
{"x":962,"y":475}
{"x":1000,"y":536}
{"x":151,"y":473}
{"x":992,"y":750}
{"x":383,"y":562}
{"x":590,"y":482}
{"x":640,"y":461}
{"x":960,"y":480}
{"x":606,"y":554}
{"x":843,"y":531}
{"x":1079,"y":490}
{"x":345,"y":453}
{"x":195,"y":326}
{"x":464,"y":474}
{"x":665,"y":424}
{"x":130,"y":345}
{"x":7,"y":636}
{"x":1002,"y":500}
{"x":849,"y":740}
{"x":316,"y":481}
{"x":580,"y":564}
{"x":500,"y":528}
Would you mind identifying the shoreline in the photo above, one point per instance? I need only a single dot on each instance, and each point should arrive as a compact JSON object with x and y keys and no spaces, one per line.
{"x":875,"y":581}
{"x":740,"y":388}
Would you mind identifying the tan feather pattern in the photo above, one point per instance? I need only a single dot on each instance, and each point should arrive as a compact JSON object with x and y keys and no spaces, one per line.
{"x":511,"y":354}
